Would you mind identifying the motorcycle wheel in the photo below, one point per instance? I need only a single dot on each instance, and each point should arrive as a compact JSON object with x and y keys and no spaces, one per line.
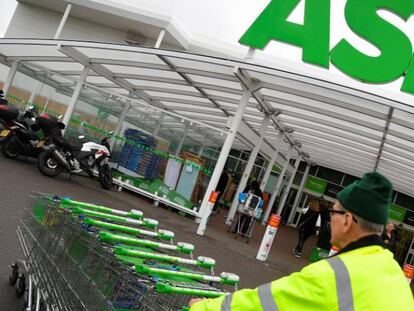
{"x":105,"y":177}
{"x":10,"y":149}
{"x":48,"y":165}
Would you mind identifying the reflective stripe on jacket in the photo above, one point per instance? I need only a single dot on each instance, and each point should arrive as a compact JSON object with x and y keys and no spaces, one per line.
{"x":364,"y":279}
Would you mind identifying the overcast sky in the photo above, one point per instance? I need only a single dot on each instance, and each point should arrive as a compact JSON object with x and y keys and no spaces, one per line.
{"x":6,"y":8}
{"x":227,"y":20}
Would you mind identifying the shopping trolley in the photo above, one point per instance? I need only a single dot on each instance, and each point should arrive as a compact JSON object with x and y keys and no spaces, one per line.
{"x":248,"y":210}
{"x":69,"y":268}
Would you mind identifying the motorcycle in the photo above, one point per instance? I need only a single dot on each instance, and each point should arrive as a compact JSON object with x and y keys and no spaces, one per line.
{"x":75,"y":158}
{"x":8,"y":113}
{"x":21,"y":138}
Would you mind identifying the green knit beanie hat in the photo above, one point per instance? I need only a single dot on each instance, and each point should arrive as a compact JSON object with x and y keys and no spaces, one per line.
{"x":368,"y":198}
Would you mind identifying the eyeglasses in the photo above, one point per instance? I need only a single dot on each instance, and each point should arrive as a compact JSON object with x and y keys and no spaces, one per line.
{"x":333,"y":211}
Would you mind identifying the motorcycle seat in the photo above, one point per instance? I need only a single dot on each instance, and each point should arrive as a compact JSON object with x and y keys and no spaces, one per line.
{"x":63,"y":143}
{"x":73,"y":146}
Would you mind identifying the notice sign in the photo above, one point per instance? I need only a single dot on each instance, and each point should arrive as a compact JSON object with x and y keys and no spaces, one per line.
{"x":397,"y":213}
{"x":316,"y":185}
{"x":409,"y":218}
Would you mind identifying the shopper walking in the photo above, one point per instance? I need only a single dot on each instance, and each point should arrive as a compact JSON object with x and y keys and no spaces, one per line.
{"x":221,"y":187}
{"x":353,"y":279}
{"x":307,"y":225}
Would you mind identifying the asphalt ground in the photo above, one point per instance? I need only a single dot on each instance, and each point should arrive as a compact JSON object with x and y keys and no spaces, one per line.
{"x":20,"y":178}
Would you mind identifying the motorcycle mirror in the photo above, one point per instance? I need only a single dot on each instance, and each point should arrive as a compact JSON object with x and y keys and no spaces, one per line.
{"x":81,"y":136}
{"x":60,"y":117}
{"x":111,"y":133}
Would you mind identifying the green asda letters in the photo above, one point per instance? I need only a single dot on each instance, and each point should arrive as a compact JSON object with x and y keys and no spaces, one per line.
{"x":395,"y":57}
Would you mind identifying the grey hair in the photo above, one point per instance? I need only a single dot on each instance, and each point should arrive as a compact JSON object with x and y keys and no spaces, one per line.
{"x":366,"y":225}
{"x":369,"y":226}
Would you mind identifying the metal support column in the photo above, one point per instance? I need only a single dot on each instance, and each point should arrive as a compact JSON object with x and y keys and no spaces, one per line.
{"x":200,"y":152}
{"x":204,"y":211}
{"x":289,"y":185}
{"x":34,"y":93}
{"x":118,"y":127}
{"x":10,"y":77}
{"x":247,"y":170}
{"x":52,"y":91}
{"x":272,"y":161}
{"x":158,"y":126}
{"x":63,"y":21}
{"x":159,"y":39}
{"x":277,"y":187}
{"x":180,"y":145}
{"x":299,"y":194}
{"x":75,"y":96}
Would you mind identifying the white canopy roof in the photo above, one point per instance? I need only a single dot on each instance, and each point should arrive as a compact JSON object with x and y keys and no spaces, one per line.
{"x":338,"y":126}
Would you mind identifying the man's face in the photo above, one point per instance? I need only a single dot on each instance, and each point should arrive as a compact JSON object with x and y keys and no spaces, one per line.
{"x":337,"y":232}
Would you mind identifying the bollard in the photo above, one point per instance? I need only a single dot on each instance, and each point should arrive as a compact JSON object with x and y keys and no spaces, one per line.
{"x":203,"y":220}
{"x":409,"y":272}
{"x":333,"y":251}
{"x":268,"y":237}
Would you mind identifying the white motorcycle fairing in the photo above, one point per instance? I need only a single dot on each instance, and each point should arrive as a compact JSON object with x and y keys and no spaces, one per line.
{"x":89,"y":146}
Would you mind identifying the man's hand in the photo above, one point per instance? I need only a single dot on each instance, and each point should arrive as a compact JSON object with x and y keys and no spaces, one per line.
{"x":194,"y":300}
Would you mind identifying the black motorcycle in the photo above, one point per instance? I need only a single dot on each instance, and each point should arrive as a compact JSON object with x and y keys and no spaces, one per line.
{"x":21,"y":138}
{"x":8,"y":113}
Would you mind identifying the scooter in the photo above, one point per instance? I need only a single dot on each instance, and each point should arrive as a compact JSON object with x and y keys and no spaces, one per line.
{"x":60,"y":155}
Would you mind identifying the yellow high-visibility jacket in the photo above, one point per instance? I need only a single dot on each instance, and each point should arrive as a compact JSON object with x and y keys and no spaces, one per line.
{"x":363,"y":279}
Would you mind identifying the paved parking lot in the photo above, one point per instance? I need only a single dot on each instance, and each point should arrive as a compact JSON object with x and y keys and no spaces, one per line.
{"x":19,"y":178}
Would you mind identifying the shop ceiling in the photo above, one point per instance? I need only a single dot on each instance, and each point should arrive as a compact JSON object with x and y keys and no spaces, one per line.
{"x":339,"y":127}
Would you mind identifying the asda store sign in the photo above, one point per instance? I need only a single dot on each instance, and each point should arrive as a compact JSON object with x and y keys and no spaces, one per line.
{"x":396,"y":53}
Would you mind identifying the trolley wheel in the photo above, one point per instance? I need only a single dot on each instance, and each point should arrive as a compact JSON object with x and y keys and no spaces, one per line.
{"x":20,"y":285}
{"x":14,"y":274}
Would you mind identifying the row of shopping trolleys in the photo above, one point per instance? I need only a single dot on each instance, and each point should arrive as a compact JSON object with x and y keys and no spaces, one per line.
{"x":82,"y":256}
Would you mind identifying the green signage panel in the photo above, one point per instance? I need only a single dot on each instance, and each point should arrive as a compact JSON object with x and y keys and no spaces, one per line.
{"x":316,"y":185}
{"x":397,"y":213}
{"x":393,"y":60}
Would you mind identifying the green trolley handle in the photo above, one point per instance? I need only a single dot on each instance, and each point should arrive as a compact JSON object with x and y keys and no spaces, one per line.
{"x":161,"y":234}
{"x":66,"y":203}
{"x":181,"y":247}
{"x":164,"y":288}
{"x":203,"y":262}
{"x":224,"y":278}
{"x":147,"y":222}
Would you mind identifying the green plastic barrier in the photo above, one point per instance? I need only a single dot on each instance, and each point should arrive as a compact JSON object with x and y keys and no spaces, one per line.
{"x":161,"y":234}
{"x":203,"y":262}
{"x":224,"y":278}
{"x":181,"y":247}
